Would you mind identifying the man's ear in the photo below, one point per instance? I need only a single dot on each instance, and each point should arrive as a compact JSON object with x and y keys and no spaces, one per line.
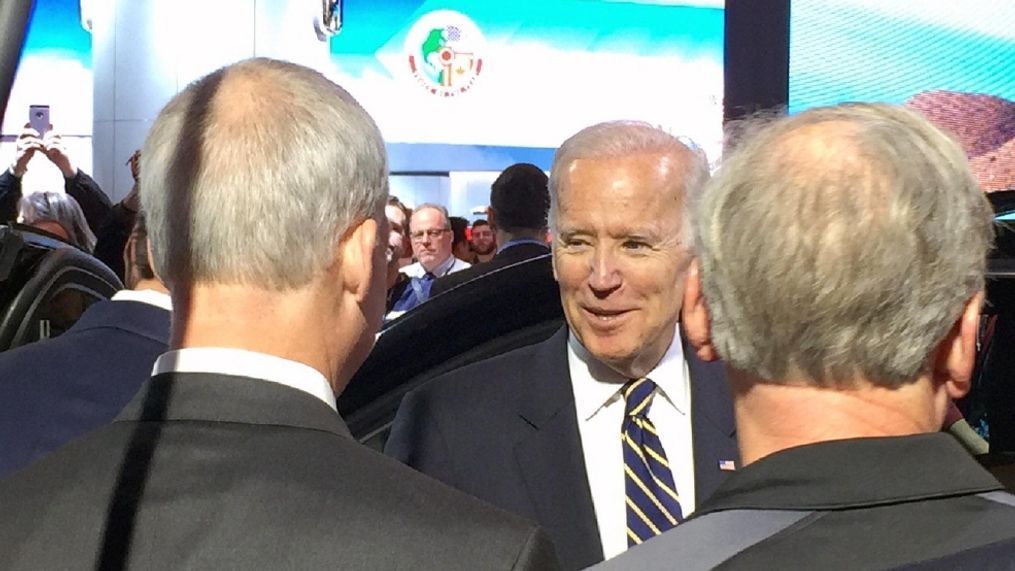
{"x":491,"y":218}
{"x":356,"y":258}
{"x":694,"y":315}
{"x":956,"y":354}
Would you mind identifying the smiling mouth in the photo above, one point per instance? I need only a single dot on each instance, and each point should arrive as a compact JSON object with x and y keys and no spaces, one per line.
{"x":605,"y":315}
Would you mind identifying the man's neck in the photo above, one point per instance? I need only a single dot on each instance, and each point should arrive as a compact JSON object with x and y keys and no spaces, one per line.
{"x":482,"y":258}
{"x":441,"y":267}
{"x":293,"y":325}
{"x":771,"y":418}
{"x":503,"y":237}
{"x":149,"y":284}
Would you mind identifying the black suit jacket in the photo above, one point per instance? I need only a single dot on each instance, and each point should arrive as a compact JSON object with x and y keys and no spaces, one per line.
{"x":505,"y":430}
{"x":56,"y":390}
{"x":506,"y":257}
{"x":206,"y":471}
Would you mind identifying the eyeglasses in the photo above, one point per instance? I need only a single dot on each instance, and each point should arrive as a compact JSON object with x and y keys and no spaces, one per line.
{"x":432,"y":234}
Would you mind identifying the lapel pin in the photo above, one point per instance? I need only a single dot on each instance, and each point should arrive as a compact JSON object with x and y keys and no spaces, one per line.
{"x":727,"y":465}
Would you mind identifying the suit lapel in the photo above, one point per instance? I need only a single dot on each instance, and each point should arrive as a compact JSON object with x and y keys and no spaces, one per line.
{"x":713,"y":425}
{"x":550,"y":457}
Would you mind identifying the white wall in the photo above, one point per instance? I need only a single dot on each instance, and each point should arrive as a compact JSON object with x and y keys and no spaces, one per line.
{"x":146,"y":51}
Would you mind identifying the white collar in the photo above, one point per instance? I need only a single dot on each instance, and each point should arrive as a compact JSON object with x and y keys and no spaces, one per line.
{"x":604,"y":388}
{"x":242,"y":363}
{"x":149,"y":296}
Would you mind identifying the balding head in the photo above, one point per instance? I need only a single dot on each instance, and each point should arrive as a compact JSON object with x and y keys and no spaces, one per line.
{"x":253,"y":174}
{"x":841,"y":244}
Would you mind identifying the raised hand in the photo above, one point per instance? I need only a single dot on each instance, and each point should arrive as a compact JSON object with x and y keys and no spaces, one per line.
{"x":27,"y":143}
{"x":56,"y":152}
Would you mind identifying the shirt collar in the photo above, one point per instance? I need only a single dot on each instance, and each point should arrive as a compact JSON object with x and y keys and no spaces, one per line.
{"x":149,"y":296}
{"x":518,"y":241}
{"x":856,"y":472}
{"x":242,"y":363}
{"x":602,"y":387}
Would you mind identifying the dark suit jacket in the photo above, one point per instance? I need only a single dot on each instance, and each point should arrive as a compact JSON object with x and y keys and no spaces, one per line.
{"x":56,"y":390}
{"x":505,"y":430}
{"x":205,"y":471}
{"x":511,"y":255}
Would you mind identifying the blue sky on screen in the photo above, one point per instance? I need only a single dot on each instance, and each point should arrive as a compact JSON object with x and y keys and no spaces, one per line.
{"x":873,"y":50}
{"x":643,"y":28}
{"x":56,"y":29}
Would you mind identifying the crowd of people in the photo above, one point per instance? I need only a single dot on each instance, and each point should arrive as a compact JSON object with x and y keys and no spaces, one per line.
{"x":755,"y":370}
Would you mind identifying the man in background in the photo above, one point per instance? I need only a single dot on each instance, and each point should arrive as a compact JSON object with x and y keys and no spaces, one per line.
{"x":484,"y":243}
{"x":519,"y":201}
{"x":842,"y":255}
{"x":56,"y":390}
{"x":432,"y":238}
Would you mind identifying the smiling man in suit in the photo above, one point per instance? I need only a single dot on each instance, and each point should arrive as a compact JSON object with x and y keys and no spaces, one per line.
{"x":264,"y":185}
{"x":612,"y":430}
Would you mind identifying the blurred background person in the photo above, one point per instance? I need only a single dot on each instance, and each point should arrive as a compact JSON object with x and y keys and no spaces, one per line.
{"x":56,"y":390}
{"x":92,"y":200}
{"x":431,"y":235}
{"x":484,"y":243}
{"x":461,"y":247}
{"x":519,"y":203}
{"x":59,"y":214}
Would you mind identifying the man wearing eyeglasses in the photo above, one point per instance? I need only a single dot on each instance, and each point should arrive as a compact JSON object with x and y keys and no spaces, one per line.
{"x":430,"y":232}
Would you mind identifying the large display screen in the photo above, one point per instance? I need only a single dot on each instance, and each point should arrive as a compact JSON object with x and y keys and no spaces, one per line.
{"x":529,"y":74}
{"x":953,"y":61}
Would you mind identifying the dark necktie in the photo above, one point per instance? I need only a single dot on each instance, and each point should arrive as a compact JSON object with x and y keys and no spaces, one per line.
{"x":653,"y":505}
{"x":417,"y":292}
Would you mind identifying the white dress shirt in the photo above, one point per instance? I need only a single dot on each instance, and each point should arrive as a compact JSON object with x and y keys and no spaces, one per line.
{"x":242,"y":363}
{"x":448,"y":266}
{"x":149,"y":296}
{"x":600,"y":407}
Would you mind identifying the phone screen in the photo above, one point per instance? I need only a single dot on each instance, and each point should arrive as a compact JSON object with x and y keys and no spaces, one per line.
{"x":38,"y":118}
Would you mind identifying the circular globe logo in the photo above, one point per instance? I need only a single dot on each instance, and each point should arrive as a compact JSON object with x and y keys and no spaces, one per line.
{"x":445,"y":52}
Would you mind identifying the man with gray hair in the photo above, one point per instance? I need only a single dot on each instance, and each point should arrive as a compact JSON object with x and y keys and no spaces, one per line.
{"x":264,"y":185}
{"x":610,"y":431}
{"x":431,"y":236}
{"x":842,"y":254}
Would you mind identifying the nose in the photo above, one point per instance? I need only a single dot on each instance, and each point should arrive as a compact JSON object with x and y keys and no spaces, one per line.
{"x":604,"y":274}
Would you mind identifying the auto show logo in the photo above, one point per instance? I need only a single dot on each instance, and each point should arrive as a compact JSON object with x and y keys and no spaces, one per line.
{"x":445,"y":52}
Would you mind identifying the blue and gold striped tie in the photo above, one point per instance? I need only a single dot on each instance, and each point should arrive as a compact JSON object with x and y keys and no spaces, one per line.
{"x":653,"y":505}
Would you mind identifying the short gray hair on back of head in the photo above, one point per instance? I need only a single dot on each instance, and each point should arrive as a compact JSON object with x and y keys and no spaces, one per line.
{"x":254,"y":173}
{"x":614,"y":139}
{"x":840,"y":245}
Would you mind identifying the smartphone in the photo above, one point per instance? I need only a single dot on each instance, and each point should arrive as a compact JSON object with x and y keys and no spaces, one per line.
{"x":38,"y":117}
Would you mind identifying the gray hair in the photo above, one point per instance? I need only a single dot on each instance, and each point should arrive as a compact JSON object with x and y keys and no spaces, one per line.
{"x":841,"y":244}
{"x":433,"y":206}
{"x":254,"y":173}
{"x":61,"y":208}
{"x":625,"y":138}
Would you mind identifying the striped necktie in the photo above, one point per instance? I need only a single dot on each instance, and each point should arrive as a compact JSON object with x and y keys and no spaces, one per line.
{"x":653,"y":505}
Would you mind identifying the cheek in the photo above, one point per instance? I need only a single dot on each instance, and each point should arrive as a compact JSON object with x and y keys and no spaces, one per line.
{"x":571,"y":272}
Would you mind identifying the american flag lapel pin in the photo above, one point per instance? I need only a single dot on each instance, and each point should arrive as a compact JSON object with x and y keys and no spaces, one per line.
{"x":727,"y":465}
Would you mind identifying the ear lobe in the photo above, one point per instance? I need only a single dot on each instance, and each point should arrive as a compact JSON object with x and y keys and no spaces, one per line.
{"x":697,"y":323}
{"x":956,"y":354}
{"x":356,"y":258}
